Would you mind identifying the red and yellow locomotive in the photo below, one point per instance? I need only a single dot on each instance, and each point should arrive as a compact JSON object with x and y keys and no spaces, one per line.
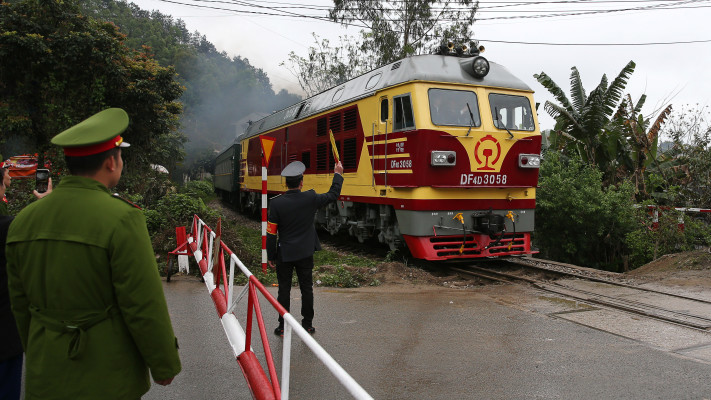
{"x":441,"y":153}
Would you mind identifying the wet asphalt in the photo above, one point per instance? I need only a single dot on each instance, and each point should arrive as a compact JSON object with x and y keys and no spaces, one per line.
{"x":405,"y":342}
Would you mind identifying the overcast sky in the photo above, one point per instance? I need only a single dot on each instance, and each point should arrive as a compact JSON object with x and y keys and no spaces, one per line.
{"x":679,"y":73}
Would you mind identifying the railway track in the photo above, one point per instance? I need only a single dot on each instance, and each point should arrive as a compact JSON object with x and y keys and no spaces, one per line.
{"x":670,"y":307}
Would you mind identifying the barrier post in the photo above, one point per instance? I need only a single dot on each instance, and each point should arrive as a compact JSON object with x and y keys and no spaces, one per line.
{"x":264,"y":215}
{"x":267,"y":146}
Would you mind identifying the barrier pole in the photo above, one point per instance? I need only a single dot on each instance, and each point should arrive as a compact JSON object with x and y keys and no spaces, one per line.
{"x":264,"y":214}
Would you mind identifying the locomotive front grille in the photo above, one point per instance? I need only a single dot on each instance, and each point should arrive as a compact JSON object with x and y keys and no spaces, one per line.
{"x":448,"y":246}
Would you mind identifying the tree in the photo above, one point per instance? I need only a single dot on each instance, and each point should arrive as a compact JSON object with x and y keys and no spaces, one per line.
{"x":396,"y":29}
{"x":57,"y":67}
{"x":326,"y":66}
{"x":642,"y":139}
{"x":219,"y":89}
{"x":685,"y":169}
{"x":581,"y":124}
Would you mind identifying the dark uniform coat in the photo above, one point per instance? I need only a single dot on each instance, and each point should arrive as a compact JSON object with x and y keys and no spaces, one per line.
{"x":292,"y":216}
{"x":10,"y":346}
{"x":87,"y":296}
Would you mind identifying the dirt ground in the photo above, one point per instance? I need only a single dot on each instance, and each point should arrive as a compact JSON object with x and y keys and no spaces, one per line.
{"x":687,"y":269}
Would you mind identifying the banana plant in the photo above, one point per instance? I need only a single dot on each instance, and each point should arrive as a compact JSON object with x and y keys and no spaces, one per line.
{"x":581,"y":123}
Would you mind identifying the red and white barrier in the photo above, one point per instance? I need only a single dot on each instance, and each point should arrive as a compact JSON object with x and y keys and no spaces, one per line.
{"x":220,"y":285}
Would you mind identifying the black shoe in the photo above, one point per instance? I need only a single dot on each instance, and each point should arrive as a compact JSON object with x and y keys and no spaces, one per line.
{"x":279,"y":331}
{"x":310,"y":329}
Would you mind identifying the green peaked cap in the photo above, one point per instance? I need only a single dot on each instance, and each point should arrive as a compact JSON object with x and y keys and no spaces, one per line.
{"x":99,"y":128}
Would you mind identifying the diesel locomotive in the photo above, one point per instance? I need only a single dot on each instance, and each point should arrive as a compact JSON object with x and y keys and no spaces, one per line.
{"x":440,"y":154}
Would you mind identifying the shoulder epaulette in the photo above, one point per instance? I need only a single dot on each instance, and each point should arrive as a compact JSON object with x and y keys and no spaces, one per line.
{"x":116,"y":196}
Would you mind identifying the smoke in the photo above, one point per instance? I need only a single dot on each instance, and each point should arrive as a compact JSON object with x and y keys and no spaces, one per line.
{"x":222,"y":95}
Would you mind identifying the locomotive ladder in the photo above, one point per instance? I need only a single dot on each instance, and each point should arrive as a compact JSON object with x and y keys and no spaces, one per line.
{"x":209,"y":251}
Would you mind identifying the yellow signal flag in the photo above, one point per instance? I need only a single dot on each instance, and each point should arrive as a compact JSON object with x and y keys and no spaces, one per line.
{"x":333,"y":146}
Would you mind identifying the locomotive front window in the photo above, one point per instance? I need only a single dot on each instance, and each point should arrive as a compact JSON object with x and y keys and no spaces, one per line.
{"x":404,"y":118}
{"x":451,"y":107}
{"x":511,"y":112}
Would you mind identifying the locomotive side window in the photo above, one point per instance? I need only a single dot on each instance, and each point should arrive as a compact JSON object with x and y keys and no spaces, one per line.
{"x":451,"y":107}
{"x":404,"y":119}
{"x":384,"y":110}
{"x":511,"y":112}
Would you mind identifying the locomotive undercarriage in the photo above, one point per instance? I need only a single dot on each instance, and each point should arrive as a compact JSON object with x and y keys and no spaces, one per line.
{"x":362,"y":221}
{"x":440,"y":234}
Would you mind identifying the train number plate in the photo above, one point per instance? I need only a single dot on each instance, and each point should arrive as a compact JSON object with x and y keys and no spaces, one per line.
{"x":483,"y":179}
{"x":400,"y":164}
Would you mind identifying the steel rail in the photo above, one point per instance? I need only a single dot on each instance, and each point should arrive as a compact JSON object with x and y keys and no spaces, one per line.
{"x":596,"y":298}
{"x":594,"y":279}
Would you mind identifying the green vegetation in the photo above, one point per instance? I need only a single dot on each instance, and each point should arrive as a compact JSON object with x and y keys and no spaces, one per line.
{"x":577,"y":219}
{"x":602,"y":158}
{"x":58,"y":67}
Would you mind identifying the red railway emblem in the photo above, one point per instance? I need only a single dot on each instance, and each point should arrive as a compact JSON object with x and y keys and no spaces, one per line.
{"x":489,"y":151}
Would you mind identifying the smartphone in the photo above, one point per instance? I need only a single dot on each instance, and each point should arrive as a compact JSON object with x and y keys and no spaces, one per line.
{"x":41,"y":180}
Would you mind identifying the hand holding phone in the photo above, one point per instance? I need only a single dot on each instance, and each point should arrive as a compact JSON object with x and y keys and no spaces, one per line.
{"x":41,"y":180}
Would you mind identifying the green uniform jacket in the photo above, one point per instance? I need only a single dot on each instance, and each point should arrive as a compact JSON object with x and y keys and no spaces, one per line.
{"x":81,"y":257}
{"x":3,"y":208}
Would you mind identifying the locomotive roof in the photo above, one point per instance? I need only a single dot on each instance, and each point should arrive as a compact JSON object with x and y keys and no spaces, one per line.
{"x":436,"y":68}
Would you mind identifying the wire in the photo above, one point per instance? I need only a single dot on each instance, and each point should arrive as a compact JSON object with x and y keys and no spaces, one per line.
{"x":597,"y":44}
{"x":666,"y":6}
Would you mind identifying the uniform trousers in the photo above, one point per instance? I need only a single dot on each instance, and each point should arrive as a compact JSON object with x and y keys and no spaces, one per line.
{"x":11,"y":378}
{"x":304,"y":274}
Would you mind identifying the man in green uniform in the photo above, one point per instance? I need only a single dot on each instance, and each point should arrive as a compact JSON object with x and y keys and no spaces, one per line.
{"x":83,"y":280}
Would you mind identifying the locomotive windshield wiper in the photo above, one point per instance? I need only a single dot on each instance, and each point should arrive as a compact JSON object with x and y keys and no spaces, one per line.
{"x":471,"y":119}
{"x":501,"y":123}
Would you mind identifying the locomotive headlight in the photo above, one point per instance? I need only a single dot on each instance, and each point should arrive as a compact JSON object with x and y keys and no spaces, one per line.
{"x":443,"y":158}
{"x":529,"y":160}
{"x":480,"y":67}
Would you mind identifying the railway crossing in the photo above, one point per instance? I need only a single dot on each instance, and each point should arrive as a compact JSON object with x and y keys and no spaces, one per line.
{"x":406,"y":342}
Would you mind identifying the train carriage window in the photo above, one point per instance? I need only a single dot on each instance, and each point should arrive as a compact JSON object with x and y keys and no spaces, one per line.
{"x":451,"y":107}
{"x":384,"y":110}
{"x":511,"y":112}
{"x":402,"y":111}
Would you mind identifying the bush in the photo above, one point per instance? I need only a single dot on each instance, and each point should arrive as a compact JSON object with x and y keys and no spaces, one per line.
{"x":202,"y":189}
{"x":579,"y":221}
{"x":171,"y":211}
{"x":651,"y":241}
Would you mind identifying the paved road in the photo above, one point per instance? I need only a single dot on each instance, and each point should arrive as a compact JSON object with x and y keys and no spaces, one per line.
{"x":497,"y":342}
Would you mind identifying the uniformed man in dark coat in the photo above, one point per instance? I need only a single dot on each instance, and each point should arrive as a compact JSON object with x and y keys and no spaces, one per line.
{"x":83,"y":279}
{"x":11,"y":347}
{"x":292,"y":238}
